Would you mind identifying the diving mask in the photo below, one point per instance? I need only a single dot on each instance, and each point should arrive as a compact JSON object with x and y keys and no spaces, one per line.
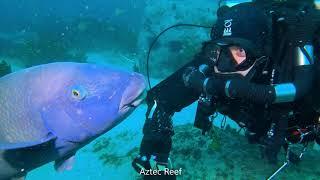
{"x":230,"y":58}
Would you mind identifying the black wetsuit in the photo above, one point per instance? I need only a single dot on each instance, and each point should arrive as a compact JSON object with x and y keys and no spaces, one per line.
{"x":253,"y":100}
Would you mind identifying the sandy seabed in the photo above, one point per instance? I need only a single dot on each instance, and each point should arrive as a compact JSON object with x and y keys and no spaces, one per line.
{"x":229,"y":156}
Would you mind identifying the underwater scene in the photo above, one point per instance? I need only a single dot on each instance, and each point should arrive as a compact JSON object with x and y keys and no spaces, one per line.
{"x":73,"y":81}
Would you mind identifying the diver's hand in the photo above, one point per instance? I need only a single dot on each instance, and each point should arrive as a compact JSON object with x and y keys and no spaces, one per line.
{"x":197,"y":79}
{"x":193,"y":78}
{"x":271,"y":147}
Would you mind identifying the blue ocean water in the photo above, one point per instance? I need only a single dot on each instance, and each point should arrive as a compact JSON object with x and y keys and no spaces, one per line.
{"x":36,"y":32}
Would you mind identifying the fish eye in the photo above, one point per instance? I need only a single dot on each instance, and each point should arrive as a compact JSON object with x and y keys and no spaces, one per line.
{"x":75,"y":93}
{"x":79,"y":92}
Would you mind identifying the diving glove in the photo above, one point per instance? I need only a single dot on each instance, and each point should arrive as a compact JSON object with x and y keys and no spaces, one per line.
{"x":201,"y":80}
{"x":272,"y":144}
{"x":143,"y":164}
{"x":194,"y":78}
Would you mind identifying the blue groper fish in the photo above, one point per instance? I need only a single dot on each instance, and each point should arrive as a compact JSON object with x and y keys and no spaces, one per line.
{"x":50,"y":111}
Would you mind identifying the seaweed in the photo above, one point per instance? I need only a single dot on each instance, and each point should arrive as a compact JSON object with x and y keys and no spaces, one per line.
{"x":101,"y":145}
{"x":111,"y":159}
{"x":191,"y":151}
{"x":237,"y":159}
{"x":125,"y":135}
{"x":221,"y":174}
{"x":106,"y":148}
{"x":134,"y":151}
{"x":103,"y":148}
{"x":215,"y":144}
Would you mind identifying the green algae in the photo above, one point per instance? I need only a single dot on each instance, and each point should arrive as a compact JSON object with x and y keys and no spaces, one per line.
{"x":235,"y":158}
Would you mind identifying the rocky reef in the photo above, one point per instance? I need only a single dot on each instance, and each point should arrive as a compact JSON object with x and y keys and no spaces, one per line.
{"x":226,"y":155}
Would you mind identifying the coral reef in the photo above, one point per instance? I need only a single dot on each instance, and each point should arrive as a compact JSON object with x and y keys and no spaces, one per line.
{"x":234,"y":159}
{"x":231,"y":158}
{"x":106,"y":149}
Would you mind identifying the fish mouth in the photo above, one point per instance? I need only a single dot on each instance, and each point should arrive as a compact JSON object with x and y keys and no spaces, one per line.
{"x":137,"y":101}
{"x":134,"y":94}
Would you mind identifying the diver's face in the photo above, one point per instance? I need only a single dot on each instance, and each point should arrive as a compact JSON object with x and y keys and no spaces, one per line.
{"x":238,"y":54}
{"x":232,"y":59}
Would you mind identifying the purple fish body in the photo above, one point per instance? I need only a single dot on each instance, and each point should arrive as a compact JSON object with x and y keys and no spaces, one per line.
{"x":58,"y":108}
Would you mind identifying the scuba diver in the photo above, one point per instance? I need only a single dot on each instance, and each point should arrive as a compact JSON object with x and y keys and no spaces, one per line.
{"x":258,"y":68}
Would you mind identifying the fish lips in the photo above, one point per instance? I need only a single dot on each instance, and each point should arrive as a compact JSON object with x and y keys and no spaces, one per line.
{"x":134,"y":93}
{"x":135,"y":102}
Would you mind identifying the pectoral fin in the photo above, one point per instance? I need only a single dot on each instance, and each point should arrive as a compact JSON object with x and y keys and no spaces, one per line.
{"x":65,"y":163}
